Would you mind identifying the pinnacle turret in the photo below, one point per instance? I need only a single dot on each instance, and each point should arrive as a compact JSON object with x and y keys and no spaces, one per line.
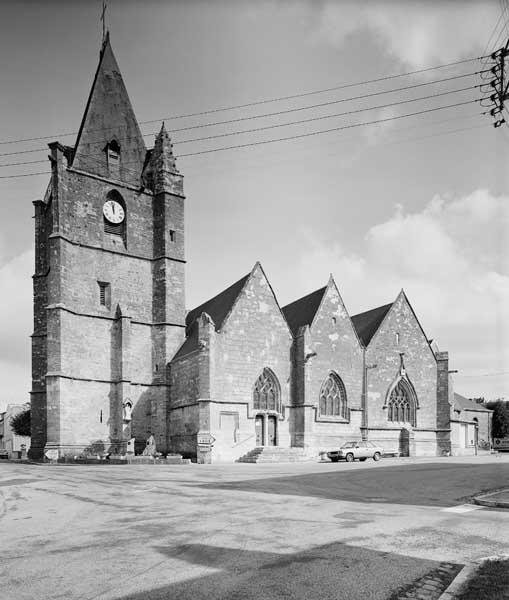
{"x":161,"y":173}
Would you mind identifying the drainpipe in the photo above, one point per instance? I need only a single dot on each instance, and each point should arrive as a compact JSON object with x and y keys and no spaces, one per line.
{"x":364,"y":406}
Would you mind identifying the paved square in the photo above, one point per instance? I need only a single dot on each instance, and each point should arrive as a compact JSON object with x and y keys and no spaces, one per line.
{"x":310,"y":531}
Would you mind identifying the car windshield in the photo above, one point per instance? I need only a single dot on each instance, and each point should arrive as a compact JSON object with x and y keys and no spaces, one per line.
{"x":349,"y":445}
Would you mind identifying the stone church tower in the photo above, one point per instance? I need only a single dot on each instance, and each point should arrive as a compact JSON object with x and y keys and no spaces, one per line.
{"x":109,"y":310}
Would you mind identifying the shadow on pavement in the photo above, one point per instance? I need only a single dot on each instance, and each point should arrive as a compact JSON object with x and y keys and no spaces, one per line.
{"x":428,"y":484}
{"x":332,"y":571}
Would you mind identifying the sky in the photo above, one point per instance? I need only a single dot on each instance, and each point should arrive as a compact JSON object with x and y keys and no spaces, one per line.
{"x":420,"y":203}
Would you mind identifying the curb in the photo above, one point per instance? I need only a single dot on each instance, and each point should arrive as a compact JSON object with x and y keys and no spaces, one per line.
{"x":458,"y":582}
{"x":483,"y":500}
{"x":464,"y":575}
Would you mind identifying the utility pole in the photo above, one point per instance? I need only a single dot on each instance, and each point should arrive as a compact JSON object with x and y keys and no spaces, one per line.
{"x":500,"y":84}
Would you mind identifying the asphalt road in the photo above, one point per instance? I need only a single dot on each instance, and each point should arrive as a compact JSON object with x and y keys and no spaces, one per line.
{"x":238,"y":532}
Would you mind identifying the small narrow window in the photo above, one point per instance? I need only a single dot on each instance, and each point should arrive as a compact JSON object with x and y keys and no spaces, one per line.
{"x":104,"y":294}
{"x":112,"y":151}
{"x":172,"y":235}
{"x":397,"y":339}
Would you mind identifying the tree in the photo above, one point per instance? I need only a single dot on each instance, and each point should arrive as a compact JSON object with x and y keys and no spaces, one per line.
{"x":500,"y":419}
{"x":20,"y":423}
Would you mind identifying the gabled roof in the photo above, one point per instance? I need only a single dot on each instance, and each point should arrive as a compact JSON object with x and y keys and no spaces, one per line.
{"x":462,"y":403}
{"x":219,"y":306}
{"x":367,"y":323}
{"x":303,"y":311}
{"x":109,"y":116}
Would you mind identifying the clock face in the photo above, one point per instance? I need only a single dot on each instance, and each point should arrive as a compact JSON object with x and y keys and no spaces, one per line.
{"x":113,"y":212}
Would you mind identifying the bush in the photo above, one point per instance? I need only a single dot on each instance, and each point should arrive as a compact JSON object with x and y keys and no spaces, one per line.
{"x":500,"y":419}
{"x":20,"y":423}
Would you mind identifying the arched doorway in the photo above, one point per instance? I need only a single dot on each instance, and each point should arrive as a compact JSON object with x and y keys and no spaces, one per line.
{"x":267,"y":405}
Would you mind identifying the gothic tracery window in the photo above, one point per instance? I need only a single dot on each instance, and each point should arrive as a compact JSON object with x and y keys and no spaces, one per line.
{"x":401,"y":405}
{"x":266,"y":392}
{"x":333,"y":402}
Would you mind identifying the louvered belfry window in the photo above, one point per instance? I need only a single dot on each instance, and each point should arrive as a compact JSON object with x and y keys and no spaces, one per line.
{"x":266,"y":392}
{"x":333,"y":401}
{"x":401,"y":405}
{"x":104,"y":294}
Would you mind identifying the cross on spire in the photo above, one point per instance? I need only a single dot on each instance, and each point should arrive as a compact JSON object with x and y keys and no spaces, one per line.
{"x":103,"y":19}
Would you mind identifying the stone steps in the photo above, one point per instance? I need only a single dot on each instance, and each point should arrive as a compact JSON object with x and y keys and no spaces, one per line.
{"x":274,"y":454}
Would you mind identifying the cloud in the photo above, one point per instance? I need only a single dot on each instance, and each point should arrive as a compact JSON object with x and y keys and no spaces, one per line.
{"x":417,"y":34}
{"x":452,"y":260}
{"x":15,"y":327}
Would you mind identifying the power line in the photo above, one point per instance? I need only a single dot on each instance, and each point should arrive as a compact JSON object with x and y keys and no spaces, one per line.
{"x":485,"y":374}
{"x":300,"y":136}
{"x":277,"y":113}
{"x":266,"y":101}
{"x":293,"y":137}
{"x":25,"y":175}
{"x":290,"y":123}
{"x":491,"y":36}
{"x":311,"y":106}
{"x":311,"y":119}
{"x":309,"y":134}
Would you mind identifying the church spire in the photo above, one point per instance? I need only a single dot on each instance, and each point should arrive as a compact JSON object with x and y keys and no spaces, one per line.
{"x":161,"y":173}
{"x":109,"y":142}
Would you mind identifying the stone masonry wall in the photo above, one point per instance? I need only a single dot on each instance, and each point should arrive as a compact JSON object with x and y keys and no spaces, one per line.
{"x":419,"y":361}
{"x":332,"y":345}
{"x":253,"y":337}
{"x":83,"y":347}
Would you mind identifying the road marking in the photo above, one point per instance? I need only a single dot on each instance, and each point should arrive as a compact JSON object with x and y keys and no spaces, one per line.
{"x":462,"y":508}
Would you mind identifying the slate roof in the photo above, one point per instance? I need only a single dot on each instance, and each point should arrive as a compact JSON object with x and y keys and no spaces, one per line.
{"x":217,"y":308}
{"x":303,"y":311}
{"x":367,"y":323}
{"x":462,"y":403}
{"x":109,"y":115}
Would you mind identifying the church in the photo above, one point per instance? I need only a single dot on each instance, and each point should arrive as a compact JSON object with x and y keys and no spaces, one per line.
{"x":116,"y":356}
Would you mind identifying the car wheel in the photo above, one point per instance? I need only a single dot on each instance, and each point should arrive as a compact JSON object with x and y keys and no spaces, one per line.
{"x":349,"y":457}
{"x":362,"y":459}
{"x":376,"y":456}
{"x":334,"y":458}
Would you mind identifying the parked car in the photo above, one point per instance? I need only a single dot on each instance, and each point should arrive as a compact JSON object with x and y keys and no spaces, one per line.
{"x":3,"y":453}
{"x":352,"y":450}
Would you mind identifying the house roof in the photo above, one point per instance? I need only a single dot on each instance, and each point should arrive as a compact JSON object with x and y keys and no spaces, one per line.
{"x":367,"y":323}
{"x":462,"y":403}
{"x":217,"y":308}
{"x":303,"y":311}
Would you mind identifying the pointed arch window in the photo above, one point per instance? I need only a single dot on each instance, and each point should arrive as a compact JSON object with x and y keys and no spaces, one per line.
{"x":333,"y":401}
{"x":401,"y":405}
{"x":266,"y":394}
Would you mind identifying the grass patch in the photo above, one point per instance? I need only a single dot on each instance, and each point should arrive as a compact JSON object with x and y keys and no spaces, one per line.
{"x":490,"y":582}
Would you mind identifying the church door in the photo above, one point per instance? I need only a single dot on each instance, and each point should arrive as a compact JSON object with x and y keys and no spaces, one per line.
{"x":272,"y":431}
{"x":259,"y":430}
